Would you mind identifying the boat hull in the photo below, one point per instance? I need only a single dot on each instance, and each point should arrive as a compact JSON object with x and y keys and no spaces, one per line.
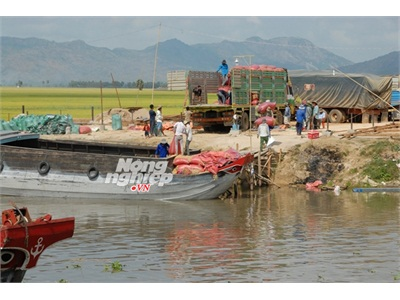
{"x":52,"y":173}
{"x":198,"y":187}
{"x":22,"y":241}
{"x":377,"y":190}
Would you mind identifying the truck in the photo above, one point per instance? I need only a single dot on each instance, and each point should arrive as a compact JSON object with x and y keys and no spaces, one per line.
{"x":248,"y":87}
{"x":344,"y":97}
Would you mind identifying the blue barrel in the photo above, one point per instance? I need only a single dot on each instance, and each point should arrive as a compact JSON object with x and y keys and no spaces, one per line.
{"x":395,"y":98}
{"x":116,"y":122}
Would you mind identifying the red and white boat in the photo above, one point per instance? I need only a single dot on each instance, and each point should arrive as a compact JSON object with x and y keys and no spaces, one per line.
{"x":23,"y":240}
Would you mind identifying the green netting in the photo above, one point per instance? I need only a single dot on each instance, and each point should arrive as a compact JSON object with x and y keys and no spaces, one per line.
{"x":42,"y":124}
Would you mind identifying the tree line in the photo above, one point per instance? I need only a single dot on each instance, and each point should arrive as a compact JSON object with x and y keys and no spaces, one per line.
{"x":140,"y":84}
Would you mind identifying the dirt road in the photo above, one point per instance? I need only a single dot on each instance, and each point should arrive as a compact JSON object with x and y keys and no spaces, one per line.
{"x":242,"y":141}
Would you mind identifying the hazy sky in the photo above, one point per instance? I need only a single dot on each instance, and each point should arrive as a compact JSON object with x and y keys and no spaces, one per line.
{"x":355,"y":37}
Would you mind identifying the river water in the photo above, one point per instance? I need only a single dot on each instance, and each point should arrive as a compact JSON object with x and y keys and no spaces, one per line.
{"x":267,"y":235}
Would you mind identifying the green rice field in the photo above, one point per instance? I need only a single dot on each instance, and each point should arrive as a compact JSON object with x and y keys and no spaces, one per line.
{"x":78,"y":102}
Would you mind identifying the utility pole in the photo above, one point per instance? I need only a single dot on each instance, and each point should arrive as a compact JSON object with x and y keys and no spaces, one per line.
{"x":101,"y":105}
{"x":155,"y":64}
{"x":250,"y":91}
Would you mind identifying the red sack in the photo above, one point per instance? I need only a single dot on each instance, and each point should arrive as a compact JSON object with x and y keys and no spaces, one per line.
{"x":270,"y":121}
{"x":262,"y":108}
{"x":172,"y":149}
{"x":181,"y":160}
{"x":188,"y":169}
{"x":213,"y":169}
{"x":84,"y":129}
{"x":197,"y":160}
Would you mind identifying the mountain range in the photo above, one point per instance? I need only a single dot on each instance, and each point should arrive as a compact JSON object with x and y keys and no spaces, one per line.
{"x":36,"y":62}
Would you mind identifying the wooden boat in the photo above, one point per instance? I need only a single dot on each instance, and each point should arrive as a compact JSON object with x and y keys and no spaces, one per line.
{"x":23,"y":240}
{"x":31,"y":166}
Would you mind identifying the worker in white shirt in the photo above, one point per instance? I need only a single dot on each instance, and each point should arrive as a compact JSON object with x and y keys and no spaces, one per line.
{"x":188,"y":130}
{"x":179,"y":131}
{"x":263,"y":133}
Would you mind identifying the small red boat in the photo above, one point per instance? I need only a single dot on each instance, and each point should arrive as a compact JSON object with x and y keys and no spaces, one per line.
{"x":23,"y":240}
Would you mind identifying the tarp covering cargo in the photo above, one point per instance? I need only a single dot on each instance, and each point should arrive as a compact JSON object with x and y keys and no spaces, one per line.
{"x":42,"y":124}
{"x":337,"y":90}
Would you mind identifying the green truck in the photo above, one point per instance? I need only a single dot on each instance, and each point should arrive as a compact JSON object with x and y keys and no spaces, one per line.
{"x":249,"y":87}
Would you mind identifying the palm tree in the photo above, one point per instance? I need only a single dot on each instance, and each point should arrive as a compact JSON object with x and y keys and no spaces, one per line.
{"x":140,"y":84}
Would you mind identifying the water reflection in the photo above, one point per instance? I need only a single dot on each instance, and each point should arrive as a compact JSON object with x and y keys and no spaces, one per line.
{"x":266,"y":235}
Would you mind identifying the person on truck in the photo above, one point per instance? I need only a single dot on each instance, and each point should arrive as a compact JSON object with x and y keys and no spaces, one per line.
{"x":223,"y":69}
{"x":224,"y":95}
{"x":197,"y":93}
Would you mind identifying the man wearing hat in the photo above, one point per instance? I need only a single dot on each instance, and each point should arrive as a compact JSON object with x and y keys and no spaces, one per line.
{"x":162,"y":149}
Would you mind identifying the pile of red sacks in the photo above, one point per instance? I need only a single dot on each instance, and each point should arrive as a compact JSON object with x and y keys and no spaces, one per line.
{"x":207,"y":161}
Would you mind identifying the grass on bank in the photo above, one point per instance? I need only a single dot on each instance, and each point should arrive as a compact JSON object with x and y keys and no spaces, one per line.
{"x":383,"y":163}
{"x":78,"y":102}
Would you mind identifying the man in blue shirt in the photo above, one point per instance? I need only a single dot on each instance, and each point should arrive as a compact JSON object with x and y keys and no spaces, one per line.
{"x":162,"y":149}
{"x":300,"y":117}
{"x":223,"y":67}
{"x":152,"y":116}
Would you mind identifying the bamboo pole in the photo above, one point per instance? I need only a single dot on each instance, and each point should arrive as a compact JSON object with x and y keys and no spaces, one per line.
{"x":116,"y":90}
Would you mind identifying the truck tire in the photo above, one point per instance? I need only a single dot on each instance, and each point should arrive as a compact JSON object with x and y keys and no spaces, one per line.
{"x":336,"y":116}
{"x":244,"y":123}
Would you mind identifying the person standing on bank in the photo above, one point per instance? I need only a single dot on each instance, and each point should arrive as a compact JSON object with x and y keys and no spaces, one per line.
{"x":179,"y":130}
{"x":269,"y":112}
{"x":263,"y":133}
{"x":159,"y":121}
{"x":188,"y":131}
{"x":162,"y":149}
{"x":223,"y":69}
{"x":146,"y":129}
{"x":286,"y":116}
{"x":315,"y":114}
{"x":322,"y":118}
{"x":308,"y":119}
{"x":152,"y":116}
{"x":188,"y":115}
{"x":300,"y":117}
